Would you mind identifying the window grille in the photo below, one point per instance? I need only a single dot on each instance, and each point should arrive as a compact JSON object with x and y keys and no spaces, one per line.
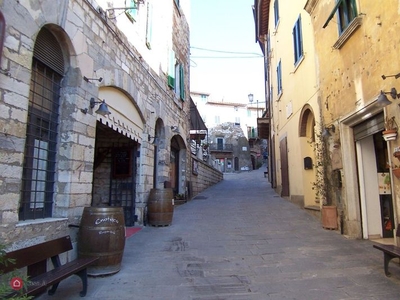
{"x":41,"y":143}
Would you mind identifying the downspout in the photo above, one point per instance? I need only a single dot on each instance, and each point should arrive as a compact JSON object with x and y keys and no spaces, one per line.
{"x":2,"y":33}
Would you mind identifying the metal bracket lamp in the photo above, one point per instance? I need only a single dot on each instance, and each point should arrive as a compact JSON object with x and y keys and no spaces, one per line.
{"x":175,"y":129}
{"x":90,"y":79}
{"x":383,"y":99}
{"x":251,"y":98}
{"x":155,"y":139}
{"x":327,"y":131}
{"x":395,"y":76}
{"x":102,"y":110}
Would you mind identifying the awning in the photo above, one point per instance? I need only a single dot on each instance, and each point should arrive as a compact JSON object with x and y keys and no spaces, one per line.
{"x":198,"y":130}
{"x":124,"y":117}
{"x":196,"y":122}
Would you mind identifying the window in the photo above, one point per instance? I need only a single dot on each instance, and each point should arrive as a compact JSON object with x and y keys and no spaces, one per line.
{"x":347,"y":12}
{"x":217,"y":121}
{"x":176,"y":76}
{"x":297,"y":41}
{"x":132,"y":12}
{"x":39,"y":168}
{"x":179,"y":82}
{"x":279,"y":77}
{"x":237,"y":120}
{"x":41,"y":144}
{"x":276,"y":12}
{"x":220,"y":144}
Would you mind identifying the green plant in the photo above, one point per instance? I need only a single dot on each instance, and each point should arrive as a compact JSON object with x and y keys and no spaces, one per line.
{"x":323,"y":184}
{"x":390,"y":123}
{"x":5,"y":287}
{"x":180,"y":196}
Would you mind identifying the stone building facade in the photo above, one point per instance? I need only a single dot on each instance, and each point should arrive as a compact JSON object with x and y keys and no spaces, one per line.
{"x":65,"y":65}
{"x":285,"y":34}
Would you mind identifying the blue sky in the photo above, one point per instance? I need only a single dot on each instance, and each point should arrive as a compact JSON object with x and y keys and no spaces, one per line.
{"x":226,"y":26}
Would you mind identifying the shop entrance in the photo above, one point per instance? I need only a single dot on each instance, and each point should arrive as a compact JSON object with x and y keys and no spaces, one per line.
{"x":375,"y":184}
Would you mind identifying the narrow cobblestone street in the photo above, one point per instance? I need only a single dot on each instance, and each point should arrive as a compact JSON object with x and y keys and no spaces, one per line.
{"x":240,"y":240}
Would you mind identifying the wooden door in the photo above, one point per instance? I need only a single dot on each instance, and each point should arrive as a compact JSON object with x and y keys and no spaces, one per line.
{"x":284,"y":168}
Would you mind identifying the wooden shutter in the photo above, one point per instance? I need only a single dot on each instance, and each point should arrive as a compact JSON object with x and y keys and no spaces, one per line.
{"x":149,"y":27}
{"x":171,"y":69}
{"x":182,"y":82}
{"x":48,"y":51}
{"x":131,"y":13}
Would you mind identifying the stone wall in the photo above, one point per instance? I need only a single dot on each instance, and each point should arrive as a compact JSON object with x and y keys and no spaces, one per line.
{"x":92,"y":46}
{"x":206,"y":176}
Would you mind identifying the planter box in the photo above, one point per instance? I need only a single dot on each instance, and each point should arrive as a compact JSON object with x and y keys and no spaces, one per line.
{"x":329,"y":217}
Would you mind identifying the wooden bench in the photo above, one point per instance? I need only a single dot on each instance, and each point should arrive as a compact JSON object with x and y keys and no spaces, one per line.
{"x":35,"y":259}
{"x":389,"y":252}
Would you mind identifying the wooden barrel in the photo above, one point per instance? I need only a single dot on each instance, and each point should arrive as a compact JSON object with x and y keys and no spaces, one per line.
{"x":102,"y":235}
{"x":160,"y":208}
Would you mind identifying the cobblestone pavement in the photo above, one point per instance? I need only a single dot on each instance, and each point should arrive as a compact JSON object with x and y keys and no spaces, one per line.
{"x":239,"y":240}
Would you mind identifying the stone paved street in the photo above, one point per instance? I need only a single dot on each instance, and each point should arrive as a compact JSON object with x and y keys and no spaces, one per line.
{"x":239,"y":240}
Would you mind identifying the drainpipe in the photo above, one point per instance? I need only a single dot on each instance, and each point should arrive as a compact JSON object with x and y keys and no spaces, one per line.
{"x":2,"y":33}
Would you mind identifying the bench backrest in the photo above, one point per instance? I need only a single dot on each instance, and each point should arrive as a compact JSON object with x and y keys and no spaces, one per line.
{"x":37,"y":253}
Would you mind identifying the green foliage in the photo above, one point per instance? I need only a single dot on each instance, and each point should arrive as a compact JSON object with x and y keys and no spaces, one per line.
{"x":5,"y":279}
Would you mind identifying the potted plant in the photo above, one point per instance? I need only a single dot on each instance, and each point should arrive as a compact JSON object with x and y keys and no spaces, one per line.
{"x":396,"y":171}
{"x":390,"y":132}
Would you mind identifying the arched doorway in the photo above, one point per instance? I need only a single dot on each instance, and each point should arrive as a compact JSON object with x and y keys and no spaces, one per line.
{"x":118,"y":139}
{"x":178,"y":165}
{"x":307,"y":144}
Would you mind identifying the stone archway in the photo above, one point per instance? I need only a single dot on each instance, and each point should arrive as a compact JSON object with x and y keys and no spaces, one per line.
{"x":178,"y":165}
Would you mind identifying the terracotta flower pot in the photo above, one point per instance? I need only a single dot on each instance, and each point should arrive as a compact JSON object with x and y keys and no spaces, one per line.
{"x":329,"y":217}
{"x":389,"y":135}
{"x":397,"y":154}
{"x":396,"y":172}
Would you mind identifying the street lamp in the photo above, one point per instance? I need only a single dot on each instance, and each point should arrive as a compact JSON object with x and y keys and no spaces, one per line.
{"x":251,"y":98}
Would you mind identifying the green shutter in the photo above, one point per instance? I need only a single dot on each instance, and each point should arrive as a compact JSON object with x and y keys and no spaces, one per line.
{"x":332,"y":13}
{"x":182,"y":82}
{"x":131,"y":13}
{"x":171,"y":69}
{"x":149,"y":27}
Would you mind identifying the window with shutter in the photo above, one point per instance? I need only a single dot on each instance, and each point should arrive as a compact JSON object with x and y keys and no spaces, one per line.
{"x":38,"y":177}
{"x":171,"y":69}
{"x":132,"y":12}
{"x":297,"y":41}
{"x":149,"y":25}
{"x":182,"y":84}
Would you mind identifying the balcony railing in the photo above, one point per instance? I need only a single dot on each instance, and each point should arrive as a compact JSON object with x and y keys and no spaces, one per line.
{"x":221,"y":147}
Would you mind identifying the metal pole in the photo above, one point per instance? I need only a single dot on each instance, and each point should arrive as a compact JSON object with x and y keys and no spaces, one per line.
{"x":257,"y":109}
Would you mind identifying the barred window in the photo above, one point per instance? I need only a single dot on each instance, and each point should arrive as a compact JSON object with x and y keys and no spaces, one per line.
{"x":39,"y":167}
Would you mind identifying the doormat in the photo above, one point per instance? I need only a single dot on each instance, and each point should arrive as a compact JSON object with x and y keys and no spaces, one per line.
{"x":129,"y":231}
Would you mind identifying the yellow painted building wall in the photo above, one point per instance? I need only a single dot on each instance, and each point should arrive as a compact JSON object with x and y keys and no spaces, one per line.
{"x":299,"y":87}
{"x":350,"y":82}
